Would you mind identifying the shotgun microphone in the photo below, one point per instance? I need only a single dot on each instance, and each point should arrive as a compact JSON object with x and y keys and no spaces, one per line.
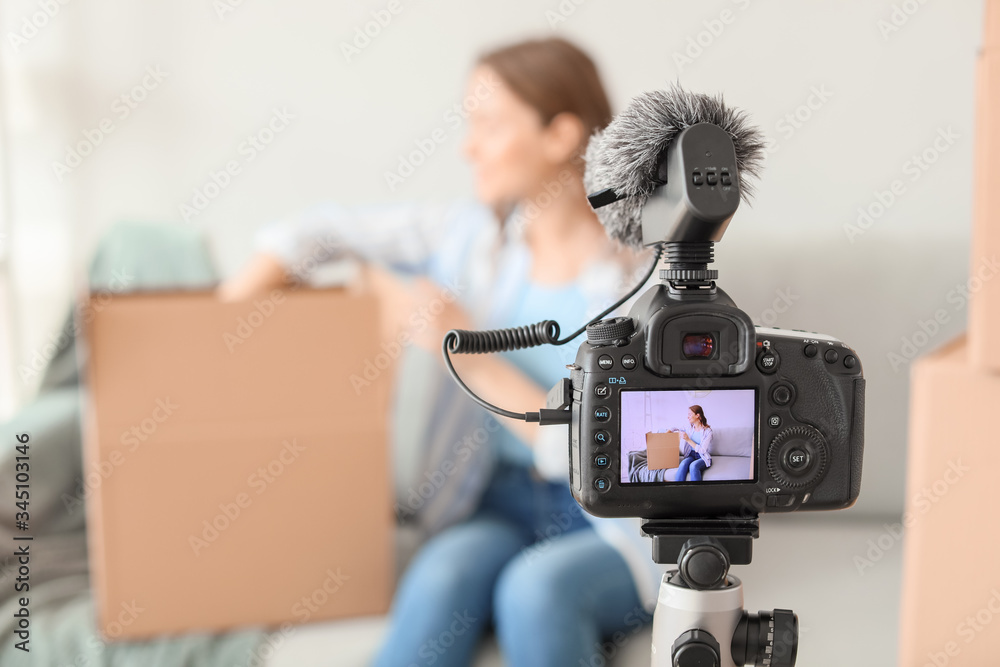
{"x":628,"y":163}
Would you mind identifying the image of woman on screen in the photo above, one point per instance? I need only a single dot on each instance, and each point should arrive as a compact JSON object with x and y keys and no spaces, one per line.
{"x":695,"y":445}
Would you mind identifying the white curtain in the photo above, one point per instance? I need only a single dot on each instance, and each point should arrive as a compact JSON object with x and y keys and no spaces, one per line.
{"x":37,"y":115}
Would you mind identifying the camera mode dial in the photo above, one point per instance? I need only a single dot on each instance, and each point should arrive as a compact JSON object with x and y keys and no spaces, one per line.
{"x":797,"y":457}
{"x":606,"y":332}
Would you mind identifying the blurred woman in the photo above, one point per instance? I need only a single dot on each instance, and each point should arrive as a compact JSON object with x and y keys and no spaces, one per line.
{"x":552,"y":581}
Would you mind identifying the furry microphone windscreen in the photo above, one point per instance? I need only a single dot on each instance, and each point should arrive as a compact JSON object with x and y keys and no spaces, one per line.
{"x":625,"y":155}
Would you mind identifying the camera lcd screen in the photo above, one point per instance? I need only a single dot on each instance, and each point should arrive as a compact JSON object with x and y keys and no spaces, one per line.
{"x":689,"y":436}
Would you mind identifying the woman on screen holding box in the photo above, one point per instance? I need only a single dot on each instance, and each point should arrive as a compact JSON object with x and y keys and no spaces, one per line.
{"x":522,"y":556}
{"x":696,"y":445}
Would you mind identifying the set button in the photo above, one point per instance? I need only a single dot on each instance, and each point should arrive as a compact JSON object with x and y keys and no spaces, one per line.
{"x":797,"y":459}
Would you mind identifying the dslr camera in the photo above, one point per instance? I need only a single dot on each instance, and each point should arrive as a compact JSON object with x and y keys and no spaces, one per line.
{"x":686,"y":409}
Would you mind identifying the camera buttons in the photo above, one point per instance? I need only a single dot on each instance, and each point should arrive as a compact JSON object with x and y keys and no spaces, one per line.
{"x":810,"y":350}
{"x":697,"y":178}
{"x":796,"y":459}
{"x":602,"y":484}
{"x":628,"y":362}
{"x":774,"y":421}
{"x":605,"y":362}
{"x":850,"y":361}
{"x":602,"y":460}
{"x":602,"y":414}
{"x":767,"y":362}
{"x":831,"y":356}
{"x":725,"y":178}
{"x":711,"y":178}
{"x":602,"y":391}
{"x":601,"y":437}
{"x":781,"y":394}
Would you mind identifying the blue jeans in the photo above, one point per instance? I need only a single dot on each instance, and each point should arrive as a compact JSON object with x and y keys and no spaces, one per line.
{"x":528,"y":563}
{"x":696,"y":464}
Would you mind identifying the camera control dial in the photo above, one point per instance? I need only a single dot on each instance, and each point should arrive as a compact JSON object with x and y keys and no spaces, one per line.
{"x":606,"y":332}
{"x":797,"y":456}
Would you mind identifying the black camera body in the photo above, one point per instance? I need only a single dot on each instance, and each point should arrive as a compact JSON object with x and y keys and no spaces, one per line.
{"x":687,"y":410}
{"x":799,"y":414}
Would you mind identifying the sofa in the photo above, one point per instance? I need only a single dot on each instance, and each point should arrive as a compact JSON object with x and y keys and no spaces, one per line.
{"x":732,"y":455}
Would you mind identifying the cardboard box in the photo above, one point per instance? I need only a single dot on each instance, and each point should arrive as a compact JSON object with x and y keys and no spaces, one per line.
{"x":991,"y":25}
{"x":951,"y":593}
{"x":949,"y":532}
{"x":663,"y":450}
{"x":237,"y":470}
{"x":984,"y":281}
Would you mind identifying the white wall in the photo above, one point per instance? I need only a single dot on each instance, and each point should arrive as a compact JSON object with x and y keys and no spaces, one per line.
{"x":888,"y":97}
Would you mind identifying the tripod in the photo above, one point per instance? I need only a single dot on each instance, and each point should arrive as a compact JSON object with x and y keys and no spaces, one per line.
{"x":699,"y":619}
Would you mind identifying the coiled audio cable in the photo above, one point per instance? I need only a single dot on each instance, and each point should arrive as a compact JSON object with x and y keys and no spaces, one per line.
{"x":546,"y":332}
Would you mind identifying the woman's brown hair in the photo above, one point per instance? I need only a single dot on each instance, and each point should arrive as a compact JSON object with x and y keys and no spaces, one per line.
{"x":553,"y":76}
{"x":701,"y":414}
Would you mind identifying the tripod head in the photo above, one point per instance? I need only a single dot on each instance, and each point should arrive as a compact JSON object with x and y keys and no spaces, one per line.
{"x":699,"y":610}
